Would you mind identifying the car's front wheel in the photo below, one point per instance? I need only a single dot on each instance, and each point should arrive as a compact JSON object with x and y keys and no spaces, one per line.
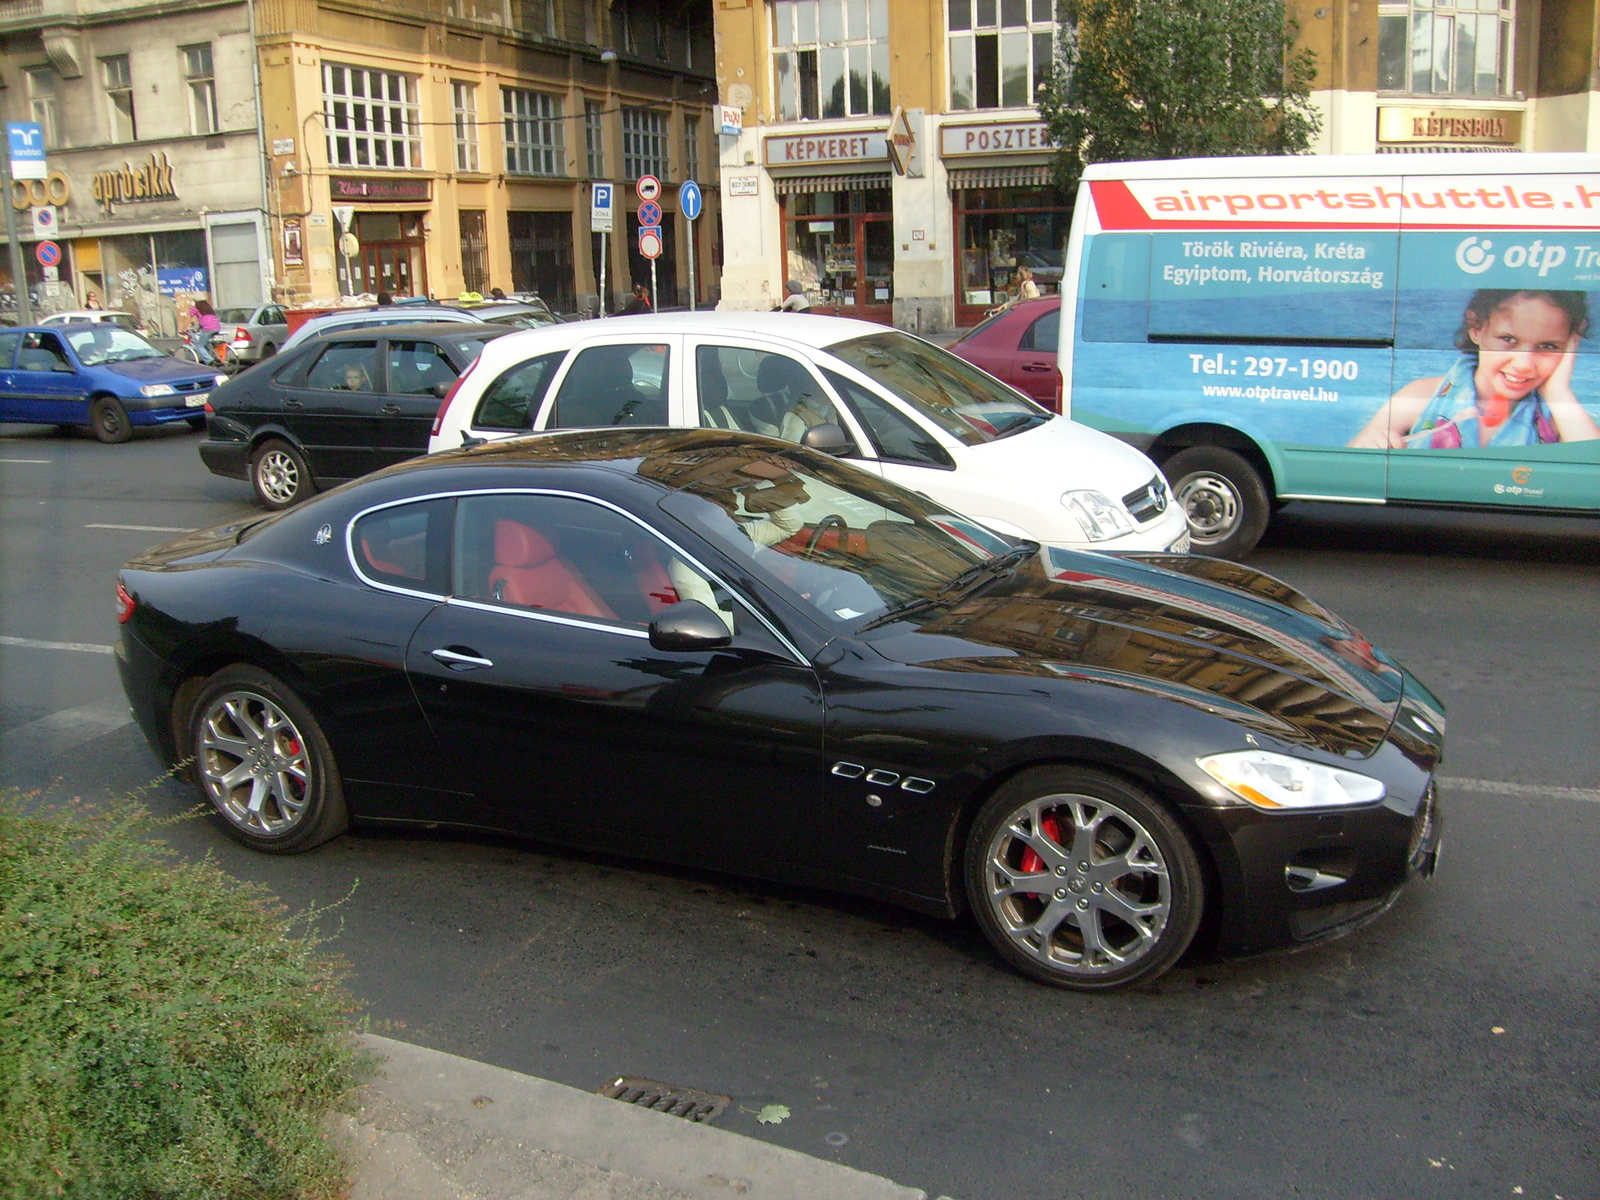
{"x":1223,"y":497}
{"x":110,"y":420}
{"x":263,"y":764}
{"x":1081,"y":880}
{"x":279,"y":475}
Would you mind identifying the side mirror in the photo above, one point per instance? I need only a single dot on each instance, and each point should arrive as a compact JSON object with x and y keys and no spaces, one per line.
{"x":688,"y":625}
{"x":828,"y":438}
{"x":440,"y":390}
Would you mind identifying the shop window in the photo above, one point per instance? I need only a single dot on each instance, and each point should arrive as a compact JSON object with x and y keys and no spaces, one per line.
{"x":371,"y":117}
{"x":474,"y":242}
{"x":644,"y":143}
{"x":42,"y":104}
{"x":1001,"y":51}
{"x":840,"y":247}
{"x":534,"y":144}
{"x":201,"y":79}
{"x":541,"y":256}
{"x":1004,"y":229}
{"x":464,"y":111}
{"x":594,"y":137}
{"x":117,"y":76}
{"x":1445,"y":47}
{"x":831,"y":58}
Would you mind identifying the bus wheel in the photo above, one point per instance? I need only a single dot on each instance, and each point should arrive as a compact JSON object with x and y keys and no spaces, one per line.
{"x":1224,"y":498}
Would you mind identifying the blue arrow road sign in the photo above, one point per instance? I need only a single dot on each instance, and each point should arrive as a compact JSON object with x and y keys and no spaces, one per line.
{"x":649,"y":213}
{"x":689,"y":202}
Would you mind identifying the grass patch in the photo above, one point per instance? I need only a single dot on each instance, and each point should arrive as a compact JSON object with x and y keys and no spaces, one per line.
{"x":166,"y":1031}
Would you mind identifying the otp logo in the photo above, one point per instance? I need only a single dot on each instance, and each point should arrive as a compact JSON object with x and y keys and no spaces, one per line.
{"x":1521,"y":474}
{"x":1473,"y":256}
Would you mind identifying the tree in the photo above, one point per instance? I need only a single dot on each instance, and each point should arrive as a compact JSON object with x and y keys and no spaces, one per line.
{"x":1145,"y":79}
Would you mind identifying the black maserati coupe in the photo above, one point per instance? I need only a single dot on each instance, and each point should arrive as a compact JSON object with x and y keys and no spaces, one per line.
{"x":713,"y":648}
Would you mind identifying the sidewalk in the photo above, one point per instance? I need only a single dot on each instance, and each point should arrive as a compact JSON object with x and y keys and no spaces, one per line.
{"x":437,"y":1127}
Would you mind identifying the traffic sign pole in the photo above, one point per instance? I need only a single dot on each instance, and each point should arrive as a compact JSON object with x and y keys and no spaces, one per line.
{"x":605,"y":253}
{"x":655,"y":296}
{"x":691,"y":266}
{"x":689,"y":202}
{"x":19,"y":271}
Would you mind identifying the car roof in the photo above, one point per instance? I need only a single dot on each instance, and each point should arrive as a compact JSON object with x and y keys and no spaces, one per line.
{"x":426,"y":328}
{"x":72,"y":315}
{"x":353,"y":314}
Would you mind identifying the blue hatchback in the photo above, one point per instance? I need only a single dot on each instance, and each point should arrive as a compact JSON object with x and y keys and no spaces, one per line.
{"x":98,"y":375}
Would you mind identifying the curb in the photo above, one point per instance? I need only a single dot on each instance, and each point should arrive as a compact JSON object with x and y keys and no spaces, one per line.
{"x":434,"y":1126}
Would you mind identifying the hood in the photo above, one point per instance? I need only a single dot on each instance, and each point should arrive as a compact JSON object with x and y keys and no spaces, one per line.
{"x":1241,"y":644}
{"x":163,"y":370}
{"x":1072,"y":455}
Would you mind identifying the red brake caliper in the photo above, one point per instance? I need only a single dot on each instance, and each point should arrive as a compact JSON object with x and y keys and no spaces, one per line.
{"x":1051,"y":828}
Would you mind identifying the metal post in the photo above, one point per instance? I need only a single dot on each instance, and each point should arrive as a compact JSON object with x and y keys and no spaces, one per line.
{"x":19,"y":270}
{"x":605,"y":253}
{"x":655,"y":295}
{"x":691,"y":265}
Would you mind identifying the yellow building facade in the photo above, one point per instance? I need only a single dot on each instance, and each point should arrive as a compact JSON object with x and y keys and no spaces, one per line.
{"x":434,"y":147}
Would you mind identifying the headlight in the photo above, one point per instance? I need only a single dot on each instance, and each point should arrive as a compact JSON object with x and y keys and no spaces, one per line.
{"x":1271,"y":781}
{"x":158,"y":389}
{"x":1100,"y":516}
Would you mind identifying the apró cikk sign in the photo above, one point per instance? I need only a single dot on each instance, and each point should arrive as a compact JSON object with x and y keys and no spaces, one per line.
{"x":131,"y":184}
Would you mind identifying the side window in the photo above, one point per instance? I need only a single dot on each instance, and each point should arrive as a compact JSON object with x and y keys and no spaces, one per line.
{"x":614,"y":385}
{"x":1043,"y":334}
{"x":512,"y":401}
{"x":41,"y":352}
{"x":572,"y":557}
{"x":8,"y":348}
{"x":416,"y":367}
{"x":896,"y":436}
{"x":407,"y":546}
{"x":345,"y":367}
{"x":274,"y":316}
{"x":758,"y":392}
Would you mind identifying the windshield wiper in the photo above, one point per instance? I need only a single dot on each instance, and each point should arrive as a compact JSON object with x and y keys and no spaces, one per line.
{"x":1025,"y":420}
{"x":998,"y":567}
{"x":903,"y":609}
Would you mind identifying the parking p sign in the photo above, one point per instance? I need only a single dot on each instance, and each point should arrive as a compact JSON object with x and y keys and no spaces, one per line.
{"x":601,"y":196}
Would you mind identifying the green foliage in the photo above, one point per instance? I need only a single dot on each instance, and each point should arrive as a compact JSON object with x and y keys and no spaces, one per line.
{"x":1155,"y":79}
{"x":163,"y":1031}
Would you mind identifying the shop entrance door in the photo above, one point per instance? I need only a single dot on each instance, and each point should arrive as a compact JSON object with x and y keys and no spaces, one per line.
{"x":840,"y":246}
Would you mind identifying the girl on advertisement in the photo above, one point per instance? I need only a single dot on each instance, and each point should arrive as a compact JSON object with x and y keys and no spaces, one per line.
{"x":1512,"y":385}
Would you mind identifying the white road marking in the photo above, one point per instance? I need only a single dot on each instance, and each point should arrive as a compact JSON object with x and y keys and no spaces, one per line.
{"x":60,"y":731}
{"x":35,"y":644}
{"x":1491,"y":787}
{"x":40,"y":461}
{"x":140,"y":528}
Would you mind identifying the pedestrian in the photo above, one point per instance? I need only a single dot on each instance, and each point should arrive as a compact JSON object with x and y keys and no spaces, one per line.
{"x":204,"y":316}
{"x":639,"y":302}
{"x":1027,"y":289}
{"x":93,"y":301}
{"x":496,"y":294}
{"x":384,"y":298}
{"x":796,"y":300}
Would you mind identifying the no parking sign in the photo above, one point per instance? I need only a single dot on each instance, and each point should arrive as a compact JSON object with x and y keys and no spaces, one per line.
{"x":48,"y":254}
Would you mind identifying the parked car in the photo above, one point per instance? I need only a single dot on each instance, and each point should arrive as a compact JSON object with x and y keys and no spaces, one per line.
{"x":100,"y":375}
{"x":685,"y":644}
{"x":891,"y":402}
{"x":1018,"y":346}
{"x":337,"y":407}
{"x":254,"y":333}
{"x":514,"y":316}
{"x":108,"y":316}
{"x":513,"y":310}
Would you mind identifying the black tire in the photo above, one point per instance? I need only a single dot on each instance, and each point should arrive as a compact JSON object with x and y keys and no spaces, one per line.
{"x":198,"y":423}
{"x":268,"y":351}
{"x":109,"y":420}
{"x":290,"y":797}
{"x":1226,"y":502}
{"x":279,"y":475}
{"x":1122,"y":900}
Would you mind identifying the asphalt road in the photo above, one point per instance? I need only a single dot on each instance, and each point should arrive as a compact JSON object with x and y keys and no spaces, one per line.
{"x":1447,"y":1051}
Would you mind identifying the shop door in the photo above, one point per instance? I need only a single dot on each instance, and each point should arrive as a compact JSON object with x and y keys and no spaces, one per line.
{"x":859,"y":265}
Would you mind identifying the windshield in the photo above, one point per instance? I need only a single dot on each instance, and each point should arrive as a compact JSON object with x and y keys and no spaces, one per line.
{"x":848,"y":545}
{"x":103,"y":343}
{"x":966,"y":403}
{"x":531,"y":319}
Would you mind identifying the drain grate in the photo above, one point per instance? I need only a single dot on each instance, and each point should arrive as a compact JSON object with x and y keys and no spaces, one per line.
{"x":689,"y":1103}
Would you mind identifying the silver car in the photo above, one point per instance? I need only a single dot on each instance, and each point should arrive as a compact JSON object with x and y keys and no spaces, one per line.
{"x":253,"y":334}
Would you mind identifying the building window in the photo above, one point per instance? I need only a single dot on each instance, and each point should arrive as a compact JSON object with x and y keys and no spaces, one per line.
{"x":1445,"y":47}
{"x":1000,"y":51}
{"x":533,"y":133}
{"x":202,"y":81}
{"x":464,"y":112}
{"x":371,"y":117}
{"x":644,"y":143}
{"x":831,"y":58}
{"x":691,"y":148}
{"x":42,"y":103}
{"x":594,"y":136}
{"x":118,"y":79}
{"x":474,"y":250}
{"x":550,"y":28}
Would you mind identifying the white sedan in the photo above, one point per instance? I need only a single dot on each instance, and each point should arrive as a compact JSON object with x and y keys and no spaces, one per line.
{"x":890,"y":402}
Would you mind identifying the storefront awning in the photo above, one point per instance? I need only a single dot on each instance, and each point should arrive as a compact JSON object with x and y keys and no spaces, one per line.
{"x":994,"y":177}
{"x":795,"y":184}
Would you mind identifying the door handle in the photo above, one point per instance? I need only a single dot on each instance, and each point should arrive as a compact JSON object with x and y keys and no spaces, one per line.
{"x":293,"y":405}
{"x":1036,"y":366}
{"x":458,"y":661}
{"x":389,"y":410}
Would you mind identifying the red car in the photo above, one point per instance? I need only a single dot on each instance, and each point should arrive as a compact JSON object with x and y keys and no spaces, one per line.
{"x":1018,"y":347}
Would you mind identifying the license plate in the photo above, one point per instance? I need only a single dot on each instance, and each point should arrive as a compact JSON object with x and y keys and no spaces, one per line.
{"x":196,"y":400}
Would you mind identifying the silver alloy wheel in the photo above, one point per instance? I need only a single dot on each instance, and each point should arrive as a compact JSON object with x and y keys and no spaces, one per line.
{"x":1212,"y":504}
{"x":278,"y":476}
{"x":1078,"y":884}
{"x":253,"y":763}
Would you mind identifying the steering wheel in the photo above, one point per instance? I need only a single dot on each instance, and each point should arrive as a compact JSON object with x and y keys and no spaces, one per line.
{"x":831,"y":521}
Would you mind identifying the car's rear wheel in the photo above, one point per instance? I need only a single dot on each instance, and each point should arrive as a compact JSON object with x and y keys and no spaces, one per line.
{"x":279,"y":475}
{"x":268,"y":351}
{"x":1081,"y":880}
{"x":263,"y":764}
{"x":110,"y":420}
{"x":1224,"y":498}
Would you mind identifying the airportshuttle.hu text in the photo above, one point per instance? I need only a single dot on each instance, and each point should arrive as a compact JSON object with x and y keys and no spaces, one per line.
{"x":1323,"y":200}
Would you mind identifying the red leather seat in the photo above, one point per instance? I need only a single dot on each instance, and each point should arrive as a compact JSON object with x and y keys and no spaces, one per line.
{"x":527,"y":572}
